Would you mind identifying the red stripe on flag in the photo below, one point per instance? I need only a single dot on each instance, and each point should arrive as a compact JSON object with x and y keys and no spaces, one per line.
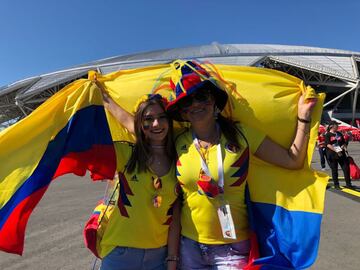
{"x":13,"y":232}
{"x":254,"y":253}
{"x":100,"y":160}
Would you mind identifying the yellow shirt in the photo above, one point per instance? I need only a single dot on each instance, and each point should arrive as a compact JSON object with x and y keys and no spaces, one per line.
{"x":199,"y":219}
{"x":136,"y":222}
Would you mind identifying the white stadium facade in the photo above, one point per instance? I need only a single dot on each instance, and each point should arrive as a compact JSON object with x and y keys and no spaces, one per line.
{"x":335,"y":72}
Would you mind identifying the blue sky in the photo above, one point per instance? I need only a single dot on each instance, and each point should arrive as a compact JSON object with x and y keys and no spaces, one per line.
{"x":41,"y":36}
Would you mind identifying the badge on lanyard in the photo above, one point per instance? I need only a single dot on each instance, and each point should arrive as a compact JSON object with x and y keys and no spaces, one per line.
{"x":213,"y":189}
{"x":226,"y":221}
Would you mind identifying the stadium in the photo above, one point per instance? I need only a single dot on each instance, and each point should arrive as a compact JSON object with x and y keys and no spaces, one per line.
{"x":335,"y":72}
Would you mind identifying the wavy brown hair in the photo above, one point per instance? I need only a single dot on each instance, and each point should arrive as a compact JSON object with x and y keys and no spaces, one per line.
{"x":141,"y":156}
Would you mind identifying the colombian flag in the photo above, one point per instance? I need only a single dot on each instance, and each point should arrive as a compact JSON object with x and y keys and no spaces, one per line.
{"x":67,"y":134}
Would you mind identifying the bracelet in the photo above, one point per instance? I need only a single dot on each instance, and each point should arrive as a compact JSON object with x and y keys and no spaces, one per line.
{"x":303,"y":120}
{"x":173,"y":258}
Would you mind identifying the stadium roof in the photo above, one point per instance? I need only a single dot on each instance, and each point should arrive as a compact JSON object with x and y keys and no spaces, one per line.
{"x":321,"y":66}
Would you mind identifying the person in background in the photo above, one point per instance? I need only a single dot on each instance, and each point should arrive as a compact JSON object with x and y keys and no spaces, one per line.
{"x":322,"y":149}
{"x":336,"y":152}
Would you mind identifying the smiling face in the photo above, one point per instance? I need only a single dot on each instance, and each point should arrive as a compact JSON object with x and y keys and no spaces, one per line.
{"x":199,"y":108}
{"x":155,"y":124}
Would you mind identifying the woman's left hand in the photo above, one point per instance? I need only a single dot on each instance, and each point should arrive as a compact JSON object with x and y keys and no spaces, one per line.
{"x":305,"y":107}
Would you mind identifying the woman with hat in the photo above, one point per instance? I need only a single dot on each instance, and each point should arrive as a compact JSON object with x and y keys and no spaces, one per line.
{"x":336,"y":154}
{"x":144,"y":231}
{"x":213,"y":159}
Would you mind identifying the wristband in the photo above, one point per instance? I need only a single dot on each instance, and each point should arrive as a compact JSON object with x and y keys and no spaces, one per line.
{"x":303,"y":120}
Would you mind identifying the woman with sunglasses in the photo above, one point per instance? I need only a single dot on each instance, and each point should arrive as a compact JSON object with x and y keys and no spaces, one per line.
{"x":213,"y":160}
{"x":141,"y":234}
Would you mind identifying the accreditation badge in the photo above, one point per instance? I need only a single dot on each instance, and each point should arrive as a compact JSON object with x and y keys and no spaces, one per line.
{"x":226,"y":221}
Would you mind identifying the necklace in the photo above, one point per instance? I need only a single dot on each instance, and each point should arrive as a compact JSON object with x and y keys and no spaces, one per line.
{"x":205,"y":145}
{"x":157,"y":146}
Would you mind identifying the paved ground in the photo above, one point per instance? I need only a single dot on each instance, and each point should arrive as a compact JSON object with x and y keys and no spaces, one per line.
{"x":54,"y":233}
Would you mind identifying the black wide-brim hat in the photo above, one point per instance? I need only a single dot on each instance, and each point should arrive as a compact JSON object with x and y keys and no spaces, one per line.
{"x":189,"y":78}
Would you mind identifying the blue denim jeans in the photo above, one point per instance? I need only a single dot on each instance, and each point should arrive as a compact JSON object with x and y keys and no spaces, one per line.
{"x":195,"y":255}
{"x":125,"y":258}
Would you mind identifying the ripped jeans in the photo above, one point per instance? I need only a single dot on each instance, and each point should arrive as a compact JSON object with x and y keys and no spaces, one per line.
{"x":195,"y":255}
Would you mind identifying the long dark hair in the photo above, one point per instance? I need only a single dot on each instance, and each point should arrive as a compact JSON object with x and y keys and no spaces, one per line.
{"x":141,"y":156}
{"x":227,"y":125}
{"x":228,"y":128}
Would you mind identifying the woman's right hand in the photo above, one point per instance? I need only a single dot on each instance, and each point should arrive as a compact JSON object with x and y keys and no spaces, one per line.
{"x":105,"y":94}
{"x":121,"y":115}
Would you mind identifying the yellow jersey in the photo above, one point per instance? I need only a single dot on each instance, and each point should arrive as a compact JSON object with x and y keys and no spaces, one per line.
{"x":136,"y":222}
{"x":199,"y":218}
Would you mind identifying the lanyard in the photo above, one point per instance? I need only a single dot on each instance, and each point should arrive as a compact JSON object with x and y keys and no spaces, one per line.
{"x":205,"y":167}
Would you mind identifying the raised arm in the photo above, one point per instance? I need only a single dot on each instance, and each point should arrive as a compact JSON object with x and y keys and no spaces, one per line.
{"x":121,"y":115}
{"x":292,"y":158}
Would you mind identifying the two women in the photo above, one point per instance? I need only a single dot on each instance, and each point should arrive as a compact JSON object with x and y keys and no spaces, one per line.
{"x":213,"y":159}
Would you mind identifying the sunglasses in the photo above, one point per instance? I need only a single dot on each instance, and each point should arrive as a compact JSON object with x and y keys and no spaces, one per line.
{"x":157,"y":199}
{"x":149,"y":120}
{"x":200,"y":96}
